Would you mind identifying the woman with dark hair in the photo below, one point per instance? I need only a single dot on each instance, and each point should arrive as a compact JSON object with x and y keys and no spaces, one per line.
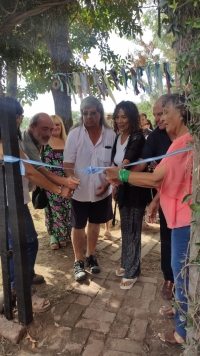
{"x":149,"y":125}
{"x":131,"y":200}
{"x":173,"y":178}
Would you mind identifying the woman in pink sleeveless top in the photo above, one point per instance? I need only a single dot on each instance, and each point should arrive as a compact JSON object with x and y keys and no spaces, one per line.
{"x":173,"y":179}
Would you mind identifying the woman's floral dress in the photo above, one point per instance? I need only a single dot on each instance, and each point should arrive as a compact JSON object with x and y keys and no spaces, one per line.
{"x":58,"y":210}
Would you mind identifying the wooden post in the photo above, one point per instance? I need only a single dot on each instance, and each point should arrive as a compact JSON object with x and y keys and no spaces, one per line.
{"x":5,"y":258}
{"x":16,"y":210}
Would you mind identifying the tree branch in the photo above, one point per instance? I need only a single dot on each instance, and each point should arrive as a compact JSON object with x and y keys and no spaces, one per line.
{"x":17,"y":19}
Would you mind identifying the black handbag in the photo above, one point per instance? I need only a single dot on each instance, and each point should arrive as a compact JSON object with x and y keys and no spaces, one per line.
{"x":39,"y":198}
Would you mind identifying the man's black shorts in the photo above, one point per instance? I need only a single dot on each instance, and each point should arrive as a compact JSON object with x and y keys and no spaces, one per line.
{"x":97,"y":213}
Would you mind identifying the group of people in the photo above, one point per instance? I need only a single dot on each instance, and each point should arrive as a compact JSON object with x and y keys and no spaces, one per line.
{"x":92,"y":143}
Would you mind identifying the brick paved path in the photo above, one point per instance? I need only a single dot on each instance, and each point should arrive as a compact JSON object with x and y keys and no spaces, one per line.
{"x":96,"y":317}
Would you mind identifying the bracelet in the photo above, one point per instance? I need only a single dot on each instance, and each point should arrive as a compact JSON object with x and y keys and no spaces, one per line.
{"x":123,"y":175}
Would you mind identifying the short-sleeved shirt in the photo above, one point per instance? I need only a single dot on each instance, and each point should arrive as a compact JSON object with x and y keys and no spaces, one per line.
{"x":31,"y":148}
{"x":157,"y":144}
{"x":80,"y":150}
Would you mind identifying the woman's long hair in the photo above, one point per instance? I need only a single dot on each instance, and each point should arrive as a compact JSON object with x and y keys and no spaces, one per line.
{"x":131,"y":111}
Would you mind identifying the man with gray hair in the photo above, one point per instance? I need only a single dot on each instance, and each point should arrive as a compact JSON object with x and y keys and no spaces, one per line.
{"x":89,"y":143}
{"x":37,"y":135}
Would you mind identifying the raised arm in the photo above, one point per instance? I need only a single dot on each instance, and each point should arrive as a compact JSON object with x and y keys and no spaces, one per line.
{"x":141,"y":179}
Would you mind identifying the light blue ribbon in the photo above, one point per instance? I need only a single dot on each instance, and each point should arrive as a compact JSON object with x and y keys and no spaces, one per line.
{"x":89,"y":170}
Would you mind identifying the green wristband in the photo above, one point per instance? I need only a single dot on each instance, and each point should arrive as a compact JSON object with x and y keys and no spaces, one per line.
{"x":123,"y":175}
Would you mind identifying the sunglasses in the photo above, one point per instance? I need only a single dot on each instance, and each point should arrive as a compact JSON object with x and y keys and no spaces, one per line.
{"x":92,"y":113}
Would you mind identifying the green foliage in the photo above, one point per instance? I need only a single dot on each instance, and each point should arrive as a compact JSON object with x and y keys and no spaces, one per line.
{"x":25,"y":123}
{"x":146,"y":107}
{"x":76,"y":27}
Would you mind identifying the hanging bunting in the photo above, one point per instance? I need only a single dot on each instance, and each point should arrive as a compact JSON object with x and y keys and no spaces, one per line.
{"x":71,"y":92}
{"x":169,"y":79}
{"x":83,"y":83}
{"x":139,"y":72}
{"x":134,"y":81}
{"x":98,"y":84}
{"x":158,"y":78}
{"x":87,"y":84}
{"x":57,"y":76}
{"x":115,"y":78}
{"x":108,"y":87}
{"x":124,"y":78}
{"x":77,"y":84}
{"x":149,"y":77}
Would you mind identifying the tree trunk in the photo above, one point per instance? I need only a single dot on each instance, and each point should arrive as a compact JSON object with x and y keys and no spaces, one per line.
{"x":60,"y":54}
{"x":194,"y":284}
{"x":12,"y":79}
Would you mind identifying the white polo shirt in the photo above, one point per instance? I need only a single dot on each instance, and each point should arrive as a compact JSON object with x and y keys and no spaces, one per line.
{"x":80,"y":150}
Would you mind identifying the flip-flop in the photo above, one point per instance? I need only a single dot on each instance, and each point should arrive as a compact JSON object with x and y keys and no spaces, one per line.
{"x":166,"y":312}
{"x":168,"y":338}
{"x":129,"y":286}
{"x":107,"y":235}
{"x":39,"y":305}
{"x":120,"y":272}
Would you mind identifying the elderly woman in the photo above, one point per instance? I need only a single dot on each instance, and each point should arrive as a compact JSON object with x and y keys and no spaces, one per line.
{"x":173,"y":178}
{"x":132,"y":200}
{"x":58,"y":210}
{"x":89,"y":143}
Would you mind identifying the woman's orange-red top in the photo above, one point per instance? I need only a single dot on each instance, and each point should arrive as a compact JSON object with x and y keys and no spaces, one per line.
{"x":177,"y":183}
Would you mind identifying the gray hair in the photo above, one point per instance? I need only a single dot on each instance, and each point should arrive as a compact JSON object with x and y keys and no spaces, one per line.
{"x":86,"y":103}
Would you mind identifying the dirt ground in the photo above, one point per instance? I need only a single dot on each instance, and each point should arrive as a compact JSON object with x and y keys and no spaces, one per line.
{"x":57,"y":268}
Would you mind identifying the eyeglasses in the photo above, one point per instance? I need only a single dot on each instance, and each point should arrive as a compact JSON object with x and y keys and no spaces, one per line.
{"x":92,"y":113}
{"x":20,"y":116}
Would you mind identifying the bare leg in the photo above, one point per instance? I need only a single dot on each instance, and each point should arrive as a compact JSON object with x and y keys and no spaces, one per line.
{"x":107,"y":226}
{"x":78,"y":241}
{"x":107,"y":233}
{"x":92,"y":237}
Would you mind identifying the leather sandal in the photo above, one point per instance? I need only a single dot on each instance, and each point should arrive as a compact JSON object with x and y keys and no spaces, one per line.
{"x":55,"y":246}
{"x":39,"y":305}
{"x":167,"y":337}
{"x":63,"y":243}
{"x":167,"y":312}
